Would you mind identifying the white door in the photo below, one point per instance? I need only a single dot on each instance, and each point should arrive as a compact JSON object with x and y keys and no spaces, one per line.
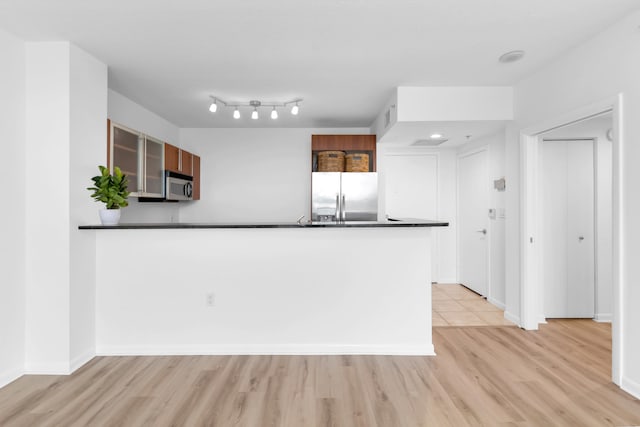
{"x":567,"y":169}
{"x":473,"y":218}
{"x":411,"y":191}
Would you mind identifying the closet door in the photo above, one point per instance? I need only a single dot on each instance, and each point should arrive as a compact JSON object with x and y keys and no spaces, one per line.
{"x":569,"y":252}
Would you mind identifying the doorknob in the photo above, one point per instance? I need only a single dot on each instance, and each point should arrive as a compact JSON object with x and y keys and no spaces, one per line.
{"x":581,"y":238}
{"x":483,"y":231}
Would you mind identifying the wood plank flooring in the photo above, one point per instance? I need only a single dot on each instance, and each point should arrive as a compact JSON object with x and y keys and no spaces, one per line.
{"x":482,"y":376}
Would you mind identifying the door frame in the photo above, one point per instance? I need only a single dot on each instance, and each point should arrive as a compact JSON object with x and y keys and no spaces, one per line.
{"x":486,"y":149}
{"x":530,"y":231}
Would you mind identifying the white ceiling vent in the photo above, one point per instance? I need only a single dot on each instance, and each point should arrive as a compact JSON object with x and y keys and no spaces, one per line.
{"x":428,"y":142}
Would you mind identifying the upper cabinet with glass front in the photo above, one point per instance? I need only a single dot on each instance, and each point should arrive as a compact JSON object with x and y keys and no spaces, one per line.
{"x":140,"y":157}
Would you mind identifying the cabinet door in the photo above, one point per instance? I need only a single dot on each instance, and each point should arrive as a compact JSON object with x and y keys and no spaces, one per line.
{"x":126,"y":155}
{"x":196,"y":177}
{"x":153,"y":168}
{"x":186,"y":162}
{"x":171,"y":158}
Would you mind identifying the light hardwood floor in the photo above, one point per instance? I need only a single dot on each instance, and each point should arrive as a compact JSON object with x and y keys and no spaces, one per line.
{"x":491,"y":376}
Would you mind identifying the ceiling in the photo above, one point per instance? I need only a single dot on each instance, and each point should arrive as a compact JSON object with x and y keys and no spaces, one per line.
{"x":454,"y":133}
{"x":344,"y":57}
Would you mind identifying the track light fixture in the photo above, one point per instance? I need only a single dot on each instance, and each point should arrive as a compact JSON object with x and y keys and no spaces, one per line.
{"x":255,"y":104}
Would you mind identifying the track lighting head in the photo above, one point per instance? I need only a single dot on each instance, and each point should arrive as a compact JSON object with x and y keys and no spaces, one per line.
{"x":236,"y":113}
{"x":294,"y":109}
{"x":214,"y":106}
{"x":274,"y":113}
{"x":254,"y":114}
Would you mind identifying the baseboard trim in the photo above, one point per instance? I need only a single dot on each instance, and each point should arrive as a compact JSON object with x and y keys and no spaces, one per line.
{"x":10,"y":376}
{"x":603,"y":317}
{"x":47,"y":369}
{"x":80,"y":360}
{"x":631,"y":387}
{"x":497,"y":303}
{"x":392,"y":350}
{"x":512,"y":318}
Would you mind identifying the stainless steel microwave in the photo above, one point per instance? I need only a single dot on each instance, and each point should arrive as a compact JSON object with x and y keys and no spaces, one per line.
{"x":178,"y":186}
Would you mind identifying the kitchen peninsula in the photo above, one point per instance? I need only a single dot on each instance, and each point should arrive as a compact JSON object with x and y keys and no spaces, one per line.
{"x":288,"y":288}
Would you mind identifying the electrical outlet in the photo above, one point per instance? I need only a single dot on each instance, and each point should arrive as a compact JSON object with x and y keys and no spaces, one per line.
{"x":211,"y":299}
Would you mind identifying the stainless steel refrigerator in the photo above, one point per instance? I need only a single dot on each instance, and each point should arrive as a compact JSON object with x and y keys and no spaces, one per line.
{"x":344,"y":196}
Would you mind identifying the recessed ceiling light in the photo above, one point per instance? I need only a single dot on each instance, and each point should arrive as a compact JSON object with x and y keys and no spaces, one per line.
{"x":513,"y":56}
{"x":436,"y":136}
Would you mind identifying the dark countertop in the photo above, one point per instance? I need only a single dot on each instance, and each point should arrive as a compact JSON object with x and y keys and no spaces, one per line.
{"x":405,"y":222}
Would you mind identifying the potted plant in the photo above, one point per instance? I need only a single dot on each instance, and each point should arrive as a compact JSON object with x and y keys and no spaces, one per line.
{"x":112,"y":191}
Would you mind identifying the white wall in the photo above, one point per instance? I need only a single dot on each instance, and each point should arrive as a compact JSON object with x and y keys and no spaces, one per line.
{"x":123,"y":111}
{"x":88,"y":109}
{"x":598,"y":69}
{"x":454,"y":103}
{"x":381,"y":125}
{"x":126,"y":112}
{"x":495,"y":145}
{"x":12,"y":223}
{"x":66,"y":110}
{"x":48,"y":207}
{"x":444,"y":251}
{"x":252,"y":174}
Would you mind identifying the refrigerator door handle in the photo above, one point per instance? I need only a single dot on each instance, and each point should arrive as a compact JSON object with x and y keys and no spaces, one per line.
{"x":338,"y":208}
{"x":343,"y":205}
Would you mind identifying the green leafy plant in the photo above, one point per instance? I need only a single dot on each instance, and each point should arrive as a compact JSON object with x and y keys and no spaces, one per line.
{"x":110,"y":189}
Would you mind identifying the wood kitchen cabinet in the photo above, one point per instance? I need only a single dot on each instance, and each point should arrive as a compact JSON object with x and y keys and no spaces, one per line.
{"x":171,"y":158}
{"x":186,"y":162}
{"x":347,"y":143}
{"x":178,"y":160}
{"x":140,"y":158}
{"x":144,"y":159}
{"x":196,"y":177}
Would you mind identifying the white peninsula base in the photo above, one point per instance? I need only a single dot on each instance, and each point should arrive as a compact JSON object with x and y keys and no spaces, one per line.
{"x":263,"y":291}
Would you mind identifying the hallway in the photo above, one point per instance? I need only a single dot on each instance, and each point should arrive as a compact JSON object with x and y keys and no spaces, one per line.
{"x":455,"y":305}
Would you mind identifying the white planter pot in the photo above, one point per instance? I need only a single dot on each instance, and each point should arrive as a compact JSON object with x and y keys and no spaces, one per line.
{"x":109,"y":216}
